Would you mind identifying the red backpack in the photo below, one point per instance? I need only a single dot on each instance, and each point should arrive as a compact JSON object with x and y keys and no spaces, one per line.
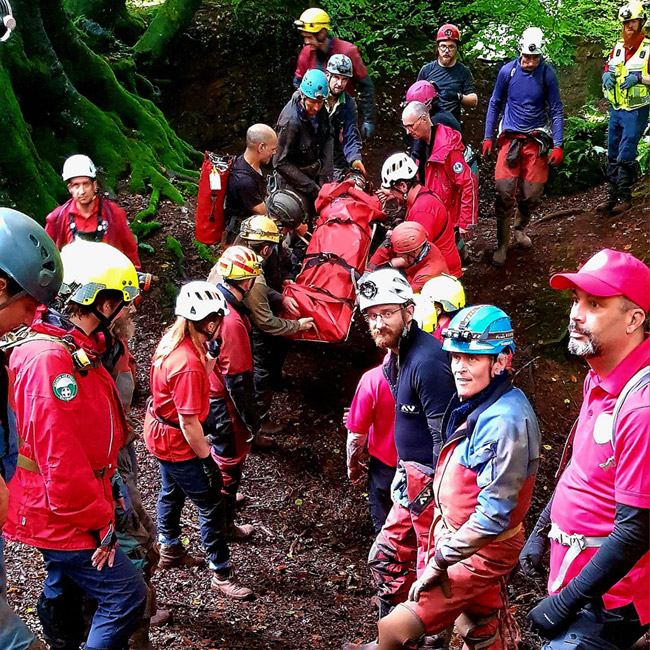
{"x":212,"y":195}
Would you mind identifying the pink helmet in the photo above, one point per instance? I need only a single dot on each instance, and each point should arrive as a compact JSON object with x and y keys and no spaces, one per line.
{"x":448,"y":32}
{"x":421,"y":91}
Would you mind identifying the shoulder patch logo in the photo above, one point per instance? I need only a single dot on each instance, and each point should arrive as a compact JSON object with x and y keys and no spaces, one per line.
{"x":458,"y":167}
{"x":64,"y":387}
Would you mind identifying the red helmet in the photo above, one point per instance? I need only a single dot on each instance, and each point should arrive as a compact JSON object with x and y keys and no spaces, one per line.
{"x":448,"y":33}
{"x":408,"y":237}
{"x":421,"y":91}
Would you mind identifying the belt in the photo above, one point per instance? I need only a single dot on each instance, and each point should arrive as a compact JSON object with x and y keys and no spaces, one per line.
{"x":506,"y":534}
{"x":576,"y":543}
{"x":31,"y":466}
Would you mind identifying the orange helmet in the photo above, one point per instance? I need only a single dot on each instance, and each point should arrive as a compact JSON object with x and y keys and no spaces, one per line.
{"x":408,"y":237}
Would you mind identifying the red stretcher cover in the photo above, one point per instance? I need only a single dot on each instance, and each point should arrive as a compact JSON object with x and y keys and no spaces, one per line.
{"x":336,"y":257}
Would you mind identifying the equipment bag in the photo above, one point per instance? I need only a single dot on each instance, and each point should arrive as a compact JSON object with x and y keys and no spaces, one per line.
{"x":210,"y":212}
{"x":336,"y":257}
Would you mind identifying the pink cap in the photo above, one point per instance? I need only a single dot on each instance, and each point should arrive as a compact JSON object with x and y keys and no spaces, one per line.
{"x":610,"y":273}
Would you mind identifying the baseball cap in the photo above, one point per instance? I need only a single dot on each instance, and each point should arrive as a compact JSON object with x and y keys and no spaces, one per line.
{"x":610,"y":273}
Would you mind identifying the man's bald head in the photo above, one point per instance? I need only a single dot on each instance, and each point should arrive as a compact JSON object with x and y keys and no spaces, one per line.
{"x":261,"y":143}
{"x":416,"y":120}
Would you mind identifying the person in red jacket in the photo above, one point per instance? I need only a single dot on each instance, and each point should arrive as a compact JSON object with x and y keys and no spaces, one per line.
{"x":234,"y":419}
{"x":173,"y":433}
{"x":320,"y":46}
{"x":444,"y":170}
{"x":411,"y":253}
{"x":402,"y":194}
{"x":61,"y":390}
{"x":87,"y":215}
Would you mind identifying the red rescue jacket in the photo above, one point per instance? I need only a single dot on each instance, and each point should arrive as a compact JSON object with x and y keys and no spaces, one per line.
{"x":117,"y":234}
{"x":73,"y":426}
{"x":448,"y":175}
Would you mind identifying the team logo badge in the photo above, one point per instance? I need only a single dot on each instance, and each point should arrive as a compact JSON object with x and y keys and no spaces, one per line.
{"x":368,"y":289}
{"x":458,"y":167}
{"x":64,"y":387}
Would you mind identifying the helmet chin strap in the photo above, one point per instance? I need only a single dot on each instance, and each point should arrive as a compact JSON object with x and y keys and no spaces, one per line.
{"x":105,"y":321}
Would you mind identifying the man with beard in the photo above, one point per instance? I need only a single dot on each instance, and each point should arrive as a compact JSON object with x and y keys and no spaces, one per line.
{"x":403,"y":197}
{"x":599,"y":515}
{"x":527,"y":96}
{"x":625,"y":84}
{"x":87,"y":215}
{"x":420,"y":379}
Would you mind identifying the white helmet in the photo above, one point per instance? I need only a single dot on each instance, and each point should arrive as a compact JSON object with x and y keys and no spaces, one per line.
{"x":397,"y":167}
{"x":199,"y":299}
{"x":531,"y":41}
{"x":7,"y":21}
{"x":78,"y":165}
{"x":383,"y":287}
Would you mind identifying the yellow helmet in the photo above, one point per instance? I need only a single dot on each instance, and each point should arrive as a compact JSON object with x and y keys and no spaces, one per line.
{"x":425,"y":314}
{"x":239,"y":263}
{"x":312,"y":21}
{"x":91,"y":267}
{"x":259,"y":228}
{"x":633,"y":10}
{"x":446,"y":290}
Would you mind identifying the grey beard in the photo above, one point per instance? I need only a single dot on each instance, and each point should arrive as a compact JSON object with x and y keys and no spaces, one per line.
{"x":586,"y":350}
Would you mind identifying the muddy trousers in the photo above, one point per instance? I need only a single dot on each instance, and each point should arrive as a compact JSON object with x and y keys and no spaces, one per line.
{"x":119,"y":591}
{"x":269,"y":354}
{"x":516,"y":201}
{"x":624,"y":132}
{"x":397,"y":556}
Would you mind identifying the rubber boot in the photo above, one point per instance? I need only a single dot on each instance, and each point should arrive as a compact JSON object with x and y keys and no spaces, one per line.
{"x":503,"y":241}
{"x":140,"y":638}
{"x":605,"y":207}
{"x":174,"y":555}
{"x":521,"y":237}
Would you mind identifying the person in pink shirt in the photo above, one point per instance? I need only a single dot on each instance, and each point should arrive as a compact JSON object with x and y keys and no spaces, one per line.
{"x":599,"y":515}
{"x":370,"y":424}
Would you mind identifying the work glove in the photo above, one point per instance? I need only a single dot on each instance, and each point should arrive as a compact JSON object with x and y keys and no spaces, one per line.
{"x":556,"y":157}
{"x":487,"y":148}
{"x":212,"y":473}
{"x":609,"y":80}
{"x":530,"y":558}
{"x":367,"y":130}
{"x":356,"y":446}
{"x":555,"y":612}
{"x":632,"y":79}
{"x":432,"y":575}
{"x":357,"y":164}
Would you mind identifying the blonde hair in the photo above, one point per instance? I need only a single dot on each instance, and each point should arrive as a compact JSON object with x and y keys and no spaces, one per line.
{"x":181,"y":329}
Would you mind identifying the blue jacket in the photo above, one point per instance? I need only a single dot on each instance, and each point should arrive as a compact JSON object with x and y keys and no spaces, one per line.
{"x":485,"y":476}
{"x":527,"y":101}
{"x":347,"y":138}
{"x":422,"y":384}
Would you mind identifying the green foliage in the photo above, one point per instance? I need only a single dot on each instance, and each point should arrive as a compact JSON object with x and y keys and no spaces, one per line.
{"x":204,"y":251}
{"x":644,"y":155}
{"x":142,"y":229}
{"x":585,"y":152}
{"x":174,"y":246}
{"x":148,"y":248}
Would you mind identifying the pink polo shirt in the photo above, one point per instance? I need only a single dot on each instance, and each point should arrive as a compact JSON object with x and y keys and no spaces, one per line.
{"x":587,"y":493}
{"x":372,"y":412}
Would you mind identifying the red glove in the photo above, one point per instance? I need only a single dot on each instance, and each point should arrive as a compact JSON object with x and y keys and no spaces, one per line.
{"x":487,"y":147}
{"x":556,"y":157}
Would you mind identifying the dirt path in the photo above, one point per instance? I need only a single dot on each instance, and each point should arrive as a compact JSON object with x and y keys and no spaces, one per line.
{"x":307,"y":560}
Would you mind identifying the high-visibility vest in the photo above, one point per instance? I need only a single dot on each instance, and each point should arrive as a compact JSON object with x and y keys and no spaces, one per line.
{"x":639,"y":94}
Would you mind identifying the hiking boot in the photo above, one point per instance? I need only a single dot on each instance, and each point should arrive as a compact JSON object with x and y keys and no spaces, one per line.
{"x":605,"y":207}
{"x":229,"y":585}
{"x":160,"y":618}
{"x":241,"y":500}
{"x":270,"y":428}
{"x":174,"y":555}
{"x":236,"y":533}
{"x":140,"y":638}
{"x":522,"y":239}
{"x":622,"y":206}
{"x":262,"y":442}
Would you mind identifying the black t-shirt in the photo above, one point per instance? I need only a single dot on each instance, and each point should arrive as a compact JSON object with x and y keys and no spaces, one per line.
{"x":449,"y":82}
{"x":246,"y":189}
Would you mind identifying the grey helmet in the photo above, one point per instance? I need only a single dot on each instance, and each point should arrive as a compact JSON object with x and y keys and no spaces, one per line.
{"x":287,"y":207}
{"x":29,"y":256}
{"x":340,"y":64}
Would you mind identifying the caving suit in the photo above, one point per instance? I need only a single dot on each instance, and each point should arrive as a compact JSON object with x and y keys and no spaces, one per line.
{"x":481,"y":493}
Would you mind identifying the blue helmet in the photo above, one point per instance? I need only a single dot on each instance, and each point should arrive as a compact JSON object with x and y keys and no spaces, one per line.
{"x":480,"y":329}
{"x":314,"y":84}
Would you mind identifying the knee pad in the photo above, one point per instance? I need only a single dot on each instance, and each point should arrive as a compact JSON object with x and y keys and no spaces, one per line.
{"x":478,"y":633}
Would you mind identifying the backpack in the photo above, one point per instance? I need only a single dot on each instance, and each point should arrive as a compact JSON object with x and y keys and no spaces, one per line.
{"x":210,"y":203}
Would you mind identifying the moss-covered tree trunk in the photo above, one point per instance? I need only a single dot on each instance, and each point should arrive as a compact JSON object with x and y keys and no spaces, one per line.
{"x":59,"y":98}
{"x":103,"y":12}
{"x":172,"y":18}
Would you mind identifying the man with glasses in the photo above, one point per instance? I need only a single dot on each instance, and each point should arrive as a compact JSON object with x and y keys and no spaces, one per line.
{"x":442,"y":168}
{"x":420,"y":379}
{"x":451,"y":78}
